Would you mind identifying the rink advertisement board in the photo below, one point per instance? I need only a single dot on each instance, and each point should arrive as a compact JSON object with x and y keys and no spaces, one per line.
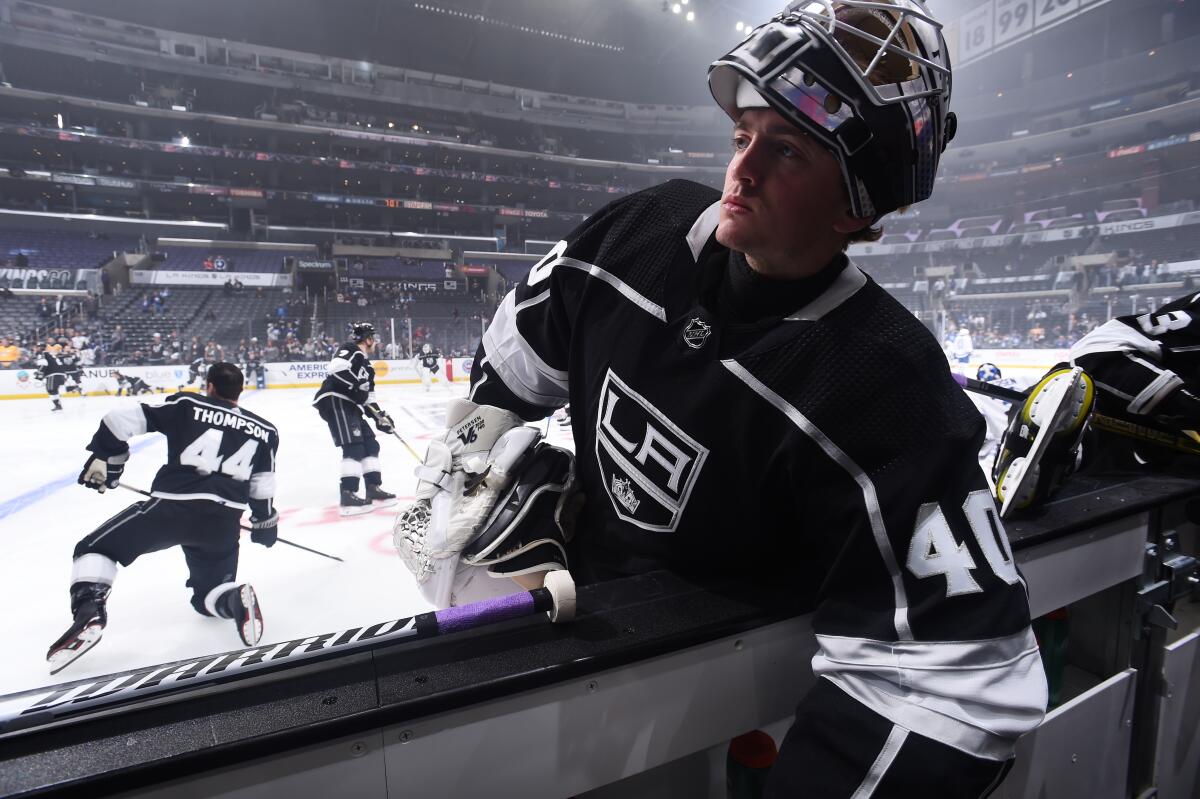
{"x":173,"y":277}
{"x":100,"y":380}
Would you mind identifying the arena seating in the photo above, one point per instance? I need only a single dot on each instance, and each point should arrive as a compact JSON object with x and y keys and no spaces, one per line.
{"x":61,"y":249}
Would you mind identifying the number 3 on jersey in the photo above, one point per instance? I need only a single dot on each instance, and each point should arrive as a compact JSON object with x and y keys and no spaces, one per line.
{"x":935,"y":551}
{"x":205,"y":455}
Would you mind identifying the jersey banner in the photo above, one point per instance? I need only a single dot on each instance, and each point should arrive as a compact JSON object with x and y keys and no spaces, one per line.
{"x":166,"y":379}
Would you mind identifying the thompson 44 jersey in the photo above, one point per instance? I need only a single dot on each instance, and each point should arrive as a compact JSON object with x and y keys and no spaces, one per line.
{"x":216,"y":450}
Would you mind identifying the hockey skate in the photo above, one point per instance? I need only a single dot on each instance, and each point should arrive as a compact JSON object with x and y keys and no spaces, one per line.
{"x":241,"y":605}
{"x":1041,"y":445}
{"x":353,"y":505}
{"x":57,"y":406}
{"x":380,"y":498}
{"x":87,"y":606}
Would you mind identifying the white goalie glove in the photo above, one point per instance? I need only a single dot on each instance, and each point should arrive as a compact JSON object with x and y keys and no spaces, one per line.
{"x":464,"y":474}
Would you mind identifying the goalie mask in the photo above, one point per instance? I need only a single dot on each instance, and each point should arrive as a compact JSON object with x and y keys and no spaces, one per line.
{"x":869,"y":80}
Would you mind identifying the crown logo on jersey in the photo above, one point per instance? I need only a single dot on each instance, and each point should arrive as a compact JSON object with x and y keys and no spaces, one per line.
{"x":696,"y":333}
{"x":623,"y":491}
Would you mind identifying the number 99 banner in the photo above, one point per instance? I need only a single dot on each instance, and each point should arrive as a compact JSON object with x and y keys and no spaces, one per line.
{"x":999,"y":23}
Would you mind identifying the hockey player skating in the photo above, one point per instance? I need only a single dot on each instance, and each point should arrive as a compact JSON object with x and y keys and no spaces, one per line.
{"x":962,"y":346}
{"x":426,"y":364}
{"x":197,"y":370}
{"x":53,"y":372}
{"x":995,"y":412}
{"x":348,"y":392}
{"x":747,"y":403}
{"x":68,"y":358}
{"x":220,"y":461}
{"x":130,"y":384}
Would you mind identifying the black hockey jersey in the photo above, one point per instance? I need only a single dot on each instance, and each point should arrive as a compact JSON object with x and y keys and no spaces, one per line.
{"x":827,"y":449}
{"x":1140,"y":362}
{"x":50,"y":363}
{"x":428,"y":361}
{"x":156,"y":353}
{"x":216,"y":450}
{"x":349,"y":376}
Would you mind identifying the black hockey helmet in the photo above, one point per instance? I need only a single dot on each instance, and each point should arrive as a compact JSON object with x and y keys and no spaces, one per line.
{"x":868,"y":79}
{"x":362,"y":330}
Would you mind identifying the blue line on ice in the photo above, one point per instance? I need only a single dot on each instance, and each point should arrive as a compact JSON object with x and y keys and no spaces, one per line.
{"x":23,"y":501}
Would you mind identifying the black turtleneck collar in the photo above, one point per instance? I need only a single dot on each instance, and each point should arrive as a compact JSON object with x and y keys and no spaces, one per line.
{"x":744,"y":296}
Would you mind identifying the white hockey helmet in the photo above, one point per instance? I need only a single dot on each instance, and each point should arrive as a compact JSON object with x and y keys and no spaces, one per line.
{"x":869,"y":79}
{"x":425,"y":348}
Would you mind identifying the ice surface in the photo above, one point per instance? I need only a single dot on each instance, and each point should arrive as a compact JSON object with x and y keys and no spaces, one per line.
{"x":44,"y":513}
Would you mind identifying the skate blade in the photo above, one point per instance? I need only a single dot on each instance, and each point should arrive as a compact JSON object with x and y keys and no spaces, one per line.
{"x":1066,"y":388}
{"x":251,"y":628}
{"x":356,"y":510}
{"x":88,"y":637}
{"x":384,"y":503}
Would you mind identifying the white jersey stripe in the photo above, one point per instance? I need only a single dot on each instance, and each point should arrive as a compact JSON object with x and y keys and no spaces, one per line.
{"x":883,"y":761}
{"x":703,"y":228}
{"x":844,"y":286}
{"x":870,"y":500}
{"x":517,"y":363}
{"x":654,"y":309}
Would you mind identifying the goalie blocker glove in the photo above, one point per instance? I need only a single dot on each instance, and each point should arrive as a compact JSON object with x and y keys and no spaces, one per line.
{"x":530,"y":525}
{"x":100,"y":473}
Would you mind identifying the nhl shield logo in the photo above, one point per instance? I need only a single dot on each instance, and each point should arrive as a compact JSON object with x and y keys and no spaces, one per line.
{"x":648,"y":464}
{"x":696,"y":333}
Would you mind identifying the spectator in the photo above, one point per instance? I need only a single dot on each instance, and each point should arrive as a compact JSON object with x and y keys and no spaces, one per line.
{"x":43,"y":309}
{"x":116,"y":342}
{"x":10,"y":353}
{"x":137,"y":358}
{"x":1162,"y":271}
{"x":105,"y":282}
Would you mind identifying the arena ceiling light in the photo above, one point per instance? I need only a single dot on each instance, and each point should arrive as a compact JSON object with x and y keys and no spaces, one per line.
{"x":482,"y":19}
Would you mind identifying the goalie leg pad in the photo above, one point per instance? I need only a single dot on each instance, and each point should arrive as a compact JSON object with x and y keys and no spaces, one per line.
{"x":523,"y":533}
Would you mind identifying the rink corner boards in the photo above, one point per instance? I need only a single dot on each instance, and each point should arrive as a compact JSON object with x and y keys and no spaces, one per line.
{"x":654,"y":671}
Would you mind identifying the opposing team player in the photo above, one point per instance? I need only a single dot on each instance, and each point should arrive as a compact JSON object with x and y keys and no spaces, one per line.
{"x":52,"y":371}
{"x":220,"y":461}
{"x":426,"y":364}
{"x":747,"y":403}
{"x":995,"y":412}
{"x":1148,"y":364}
{"x":348,"y":392}
{"x":1142,"y":365}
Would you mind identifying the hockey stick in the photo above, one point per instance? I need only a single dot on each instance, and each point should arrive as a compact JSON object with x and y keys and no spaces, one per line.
{"x":128,"y":487}
{"x":53,"y":703}
{"x":1134,"y":428}
{"x":411,"y":451}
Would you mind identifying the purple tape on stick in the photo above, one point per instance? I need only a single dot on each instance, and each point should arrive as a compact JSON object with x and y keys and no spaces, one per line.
{"x":485,"y":612}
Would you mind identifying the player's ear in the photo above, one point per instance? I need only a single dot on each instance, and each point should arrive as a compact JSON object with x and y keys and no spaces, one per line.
{"x":847,"y":223}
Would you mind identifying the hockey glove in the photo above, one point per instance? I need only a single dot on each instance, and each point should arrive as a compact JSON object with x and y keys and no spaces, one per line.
{"x":463,"y":476}
{"x":99,"y":473}
{"x":265,"y":531}
{"x":383,"y":422}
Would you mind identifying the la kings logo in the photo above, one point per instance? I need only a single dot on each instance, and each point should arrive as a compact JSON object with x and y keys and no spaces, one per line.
{"x":648,"y":464}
